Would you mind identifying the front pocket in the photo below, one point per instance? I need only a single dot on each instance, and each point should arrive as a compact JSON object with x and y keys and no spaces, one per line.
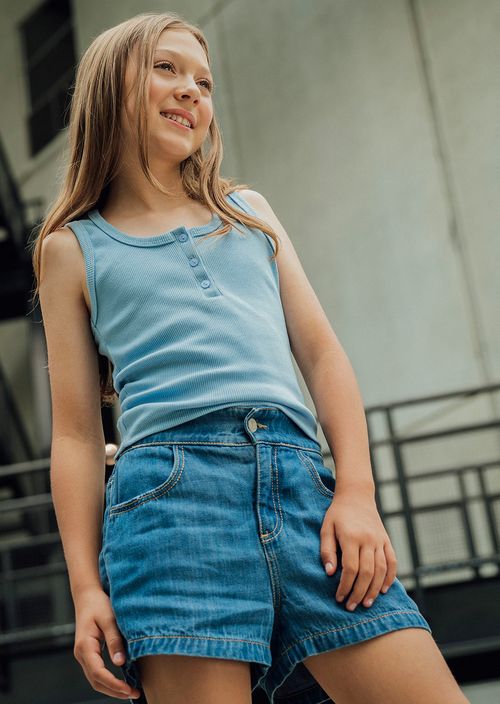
{"x":145,"y":472}
{"x":320,"y":474}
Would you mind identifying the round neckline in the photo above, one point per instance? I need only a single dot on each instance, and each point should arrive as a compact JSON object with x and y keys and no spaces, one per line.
{"x":149,"y":240}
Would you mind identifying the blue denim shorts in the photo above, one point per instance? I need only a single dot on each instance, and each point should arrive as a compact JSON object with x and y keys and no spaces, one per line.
{"x":211,"y":547}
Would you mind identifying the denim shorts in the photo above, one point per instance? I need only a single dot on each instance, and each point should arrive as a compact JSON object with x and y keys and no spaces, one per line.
{"x":211,"y":547}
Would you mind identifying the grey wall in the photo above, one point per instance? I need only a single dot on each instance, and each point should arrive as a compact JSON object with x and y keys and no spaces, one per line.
{"x":372,"y":129}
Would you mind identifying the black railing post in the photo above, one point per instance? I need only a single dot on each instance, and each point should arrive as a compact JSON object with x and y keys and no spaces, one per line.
{"x":467,"y":527}
{"x":490,"y":516}
{"x":407,"y":510}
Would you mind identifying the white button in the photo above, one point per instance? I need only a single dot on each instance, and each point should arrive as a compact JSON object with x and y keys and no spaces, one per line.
{"x":252,"y":424}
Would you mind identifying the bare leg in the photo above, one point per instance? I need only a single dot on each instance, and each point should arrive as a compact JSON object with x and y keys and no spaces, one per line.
{"x":400,"y":666}
{"x":177,"y":679}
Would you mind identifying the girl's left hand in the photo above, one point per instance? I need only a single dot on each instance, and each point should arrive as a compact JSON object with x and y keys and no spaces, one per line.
{"x":352,"y":522}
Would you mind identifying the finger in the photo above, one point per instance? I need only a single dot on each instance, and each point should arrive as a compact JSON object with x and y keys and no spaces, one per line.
{"x":101,"y":678}
{"x":350,"y":566}
{"x":328,"y":549}
{"x":99,"y":687}
{"x":364,"y":577}
{"x":98,"y":673}
{"x":378,"y":577}
{"x":392,"y":566}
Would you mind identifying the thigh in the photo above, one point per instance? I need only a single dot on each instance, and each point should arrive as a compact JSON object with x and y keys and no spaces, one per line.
{"x":180,"y":539}
{"x":400,"y":666}
{"x":176,"y":679}
{"x":178,"y":553}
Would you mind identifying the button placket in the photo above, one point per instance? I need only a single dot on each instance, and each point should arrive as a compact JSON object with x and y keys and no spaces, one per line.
{"x":197,"y":266}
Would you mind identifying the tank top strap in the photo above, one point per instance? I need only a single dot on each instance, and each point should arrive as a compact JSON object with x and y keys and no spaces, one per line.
{"x":238,"y":199}
{"x":243,"y":204}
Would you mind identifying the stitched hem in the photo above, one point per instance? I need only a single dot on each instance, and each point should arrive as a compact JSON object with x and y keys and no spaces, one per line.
{"x":332,"y":639}
{"x":197,"y":646}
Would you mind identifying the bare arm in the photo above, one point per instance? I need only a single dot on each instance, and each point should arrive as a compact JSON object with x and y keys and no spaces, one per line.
{"x":78,"y":449}
{"x":352,"y":522}
{"x":323,"y":363}
{"x":78,"y":455}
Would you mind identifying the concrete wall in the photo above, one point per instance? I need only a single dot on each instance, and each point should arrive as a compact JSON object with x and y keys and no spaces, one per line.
{"x":372,"y":128}
{"x":373,"y":131}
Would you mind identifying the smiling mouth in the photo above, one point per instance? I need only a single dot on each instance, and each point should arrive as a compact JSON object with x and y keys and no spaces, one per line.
{"x":176,"y":122}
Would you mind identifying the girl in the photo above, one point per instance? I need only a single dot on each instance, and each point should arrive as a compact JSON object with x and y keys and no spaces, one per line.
{"x":229,"y":564}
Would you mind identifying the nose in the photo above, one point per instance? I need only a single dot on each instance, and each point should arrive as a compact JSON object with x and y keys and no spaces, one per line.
{"x":189,"y":90}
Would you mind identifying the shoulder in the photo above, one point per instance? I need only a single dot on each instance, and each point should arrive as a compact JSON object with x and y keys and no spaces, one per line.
{"x":266,"y":213}
{"x":61,"y":242}
{"x":255,"y":199}
{"x":263,"y":209}
{"x":61,"y":247}
{"x":61,"y":261}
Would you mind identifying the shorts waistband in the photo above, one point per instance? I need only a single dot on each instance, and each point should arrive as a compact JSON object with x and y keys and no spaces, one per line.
{"x":236,"y":424}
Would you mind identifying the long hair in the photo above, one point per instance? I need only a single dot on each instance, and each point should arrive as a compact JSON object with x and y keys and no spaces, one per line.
{"x":94,"y":138}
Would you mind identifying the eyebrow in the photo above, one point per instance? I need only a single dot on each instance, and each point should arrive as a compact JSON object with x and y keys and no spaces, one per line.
{"x":180,"y":56}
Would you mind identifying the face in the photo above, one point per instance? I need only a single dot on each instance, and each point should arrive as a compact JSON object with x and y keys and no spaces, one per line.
{"x":180,"y":80}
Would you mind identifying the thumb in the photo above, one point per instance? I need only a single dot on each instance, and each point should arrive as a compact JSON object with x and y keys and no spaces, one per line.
{"x":328,"y":550}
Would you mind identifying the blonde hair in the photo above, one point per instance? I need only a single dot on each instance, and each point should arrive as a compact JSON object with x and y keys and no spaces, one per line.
{"x":94,"y":137}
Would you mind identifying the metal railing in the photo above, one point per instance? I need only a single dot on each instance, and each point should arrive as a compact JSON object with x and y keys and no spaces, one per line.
{"x":33,"y":569}
{"x":476,"y":480}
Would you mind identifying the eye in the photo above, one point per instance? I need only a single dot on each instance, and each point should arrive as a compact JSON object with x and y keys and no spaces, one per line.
{"x":208,"y":84}
{"x":164,"y":63}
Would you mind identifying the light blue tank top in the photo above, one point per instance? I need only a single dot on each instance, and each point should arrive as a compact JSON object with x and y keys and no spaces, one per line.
{"x":191,"y":325}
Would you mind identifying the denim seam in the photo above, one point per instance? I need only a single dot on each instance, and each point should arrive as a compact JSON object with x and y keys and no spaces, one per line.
{"x":157,"y":493}
{"x":350,"y":625}
{"x":279,"y":513}
{"x":277,"y":495}
{"x":228,"y":444}
{"x":266,"y":554}
{"x":225,"y":640}
{"x":314,"y":474}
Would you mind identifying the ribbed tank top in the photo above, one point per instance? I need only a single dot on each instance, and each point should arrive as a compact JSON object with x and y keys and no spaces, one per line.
{"x":191,"y":325}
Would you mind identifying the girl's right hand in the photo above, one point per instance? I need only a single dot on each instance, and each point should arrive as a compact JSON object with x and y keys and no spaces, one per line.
{"x":96,"y":624}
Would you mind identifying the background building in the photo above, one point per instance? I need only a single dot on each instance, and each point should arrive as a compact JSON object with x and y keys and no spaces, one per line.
{"x":372,"y":128}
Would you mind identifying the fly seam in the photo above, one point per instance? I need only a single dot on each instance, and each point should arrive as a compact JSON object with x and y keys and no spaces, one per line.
{"x":277,"y":485}
{"x":278,"y":513}
{"x":260,"y":523}
{"x":257,"y":451}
